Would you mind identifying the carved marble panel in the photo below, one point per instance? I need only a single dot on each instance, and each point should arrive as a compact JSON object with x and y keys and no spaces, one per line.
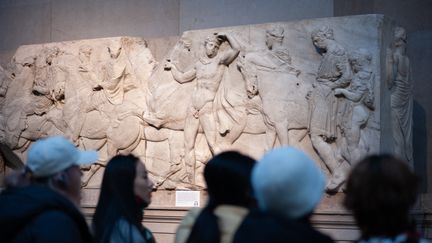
{"x":328,"y":86}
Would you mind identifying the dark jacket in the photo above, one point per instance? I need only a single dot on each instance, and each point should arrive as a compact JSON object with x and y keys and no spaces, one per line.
{"x":259,"y":227}
{"x":39,"y":214}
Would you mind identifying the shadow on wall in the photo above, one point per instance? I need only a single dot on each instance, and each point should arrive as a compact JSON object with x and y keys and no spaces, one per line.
{"x":420,"y":144}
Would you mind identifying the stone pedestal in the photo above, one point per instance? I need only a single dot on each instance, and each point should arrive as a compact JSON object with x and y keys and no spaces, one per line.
{"x":162,"y":217}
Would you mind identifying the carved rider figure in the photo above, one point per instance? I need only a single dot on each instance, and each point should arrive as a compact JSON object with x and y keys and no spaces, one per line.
{"x":334,"y":72}
{"x":277,"y":78}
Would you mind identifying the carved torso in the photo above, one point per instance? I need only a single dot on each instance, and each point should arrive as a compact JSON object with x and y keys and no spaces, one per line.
{"x":209,"y":73}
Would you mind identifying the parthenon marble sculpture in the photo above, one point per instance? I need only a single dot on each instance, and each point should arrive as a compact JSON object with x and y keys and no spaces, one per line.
{"x":401,"y":97}
{"x":316,"y":84}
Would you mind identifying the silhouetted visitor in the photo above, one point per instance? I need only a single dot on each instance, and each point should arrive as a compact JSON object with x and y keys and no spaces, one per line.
{"x":45,"y":208}
{"x":125,"y":192}
{"x":227,"y":176}
{"x":380,"y":192}
{"x":288,"y":186}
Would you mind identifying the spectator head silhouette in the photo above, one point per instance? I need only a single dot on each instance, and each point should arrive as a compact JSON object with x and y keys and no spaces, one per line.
{"x":287,"y":183}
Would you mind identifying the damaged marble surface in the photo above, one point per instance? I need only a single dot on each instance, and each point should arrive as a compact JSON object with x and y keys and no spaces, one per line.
{"x":324,"y":85}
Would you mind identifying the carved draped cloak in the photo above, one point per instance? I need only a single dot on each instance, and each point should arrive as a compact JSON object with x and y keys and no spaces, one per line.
{"x":325,"y":106}
{"x":402,"y":108}
{"x":228,"y":105}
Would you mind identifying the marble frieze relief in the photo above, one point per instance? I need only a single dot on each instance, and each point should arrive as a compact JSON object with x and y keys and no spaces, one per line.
{"x":327,"y":86}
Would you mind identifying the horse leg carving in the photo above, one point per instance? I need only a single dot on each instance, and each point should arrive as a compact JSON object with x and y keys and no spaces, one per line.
{"x":282,"y":132}
{"x":270,"y":138}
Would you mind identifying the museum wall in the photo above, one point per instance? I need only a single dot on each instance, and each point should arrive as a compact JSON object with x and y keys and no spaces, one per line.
{"x":41,"y":21}
{"x":240,"y":12}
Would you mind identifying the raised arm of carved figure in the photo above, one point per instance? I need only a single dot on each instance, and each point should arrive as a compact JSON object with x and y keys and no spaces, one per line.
{"x":179,"y":76}
{"x":230,"y":55}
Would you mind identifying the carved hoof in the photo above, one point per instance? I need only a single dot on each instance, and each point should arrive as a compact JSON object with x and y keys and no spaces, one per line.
{"x":224,"y":130}
{"x":85,"y":181}
{"x":85,"y":167}
{"x":187,"y":178}
{"x":335,"y":184}
{"x":191,"y":179}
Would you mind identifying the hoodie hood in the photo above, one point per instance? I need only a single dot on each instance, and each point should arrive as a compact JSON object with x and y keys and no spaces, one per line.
{"x":18,"y":206}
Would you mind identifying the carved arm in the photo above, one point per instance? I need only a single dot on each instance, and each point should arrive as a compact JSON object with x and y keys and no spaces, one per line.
{"x":178,"y":75}
{"x":231,"y":55}
{"x":353,"y":96}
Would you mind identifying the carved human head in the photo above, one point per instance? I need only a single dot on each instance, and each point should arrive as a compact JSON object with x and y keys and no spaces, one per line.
{"x":273,"y":35}
{"x":380,"y":191}
{"x":288,"y":183}
{"x":46,"y":56}
{"x":25,"y":58}
{"x":211,"y":45}
{"x":85,"y":52}
{"x":360,"y":59}
{"x":400,"y":36}
{"x":319,"y":36}
{"x":114,"y":48}
{"x":186,"y":43}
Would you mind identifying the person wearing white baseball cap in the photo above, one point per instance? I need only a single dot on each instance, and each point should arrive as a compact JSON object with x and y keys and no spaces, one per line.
{"x":57,"y":161}
{"x":46,"y":209}
{"x":288,"y":185}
